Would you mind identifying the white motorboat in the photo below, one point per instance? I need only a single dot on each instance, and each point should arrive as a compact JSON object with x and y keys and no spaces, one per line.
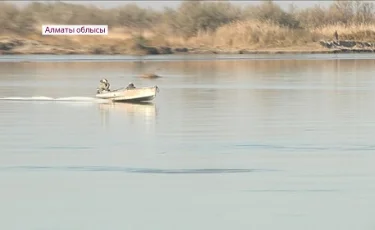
{"x":129,"y":94}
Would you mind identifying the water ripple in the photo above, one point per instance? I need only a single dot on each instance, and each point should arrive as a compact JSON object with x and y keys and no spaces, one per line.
{"x":131,"y":170}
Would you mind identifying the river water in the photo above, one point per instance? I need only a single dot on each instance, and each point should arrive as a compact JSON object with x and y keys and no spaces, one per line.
{"x":230,"y":142}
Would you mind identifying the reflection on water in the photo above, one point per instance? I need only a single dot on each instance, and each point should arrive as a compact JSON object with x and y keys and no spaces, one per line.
{"x":145,"y":112}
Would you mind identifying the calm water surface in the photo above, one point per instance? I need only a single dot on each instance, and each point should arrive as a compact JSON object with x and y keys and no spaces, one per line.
{"x":278,"y":142}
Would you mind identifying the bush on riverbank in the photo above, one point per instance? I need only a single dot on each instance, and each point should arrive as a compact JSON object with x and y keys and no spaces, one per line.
{"x":195,"y":24}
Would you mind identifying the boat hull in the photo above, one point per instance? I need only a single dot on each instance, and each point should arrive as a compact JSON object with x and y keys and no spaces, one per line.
{"x":130,"y":95}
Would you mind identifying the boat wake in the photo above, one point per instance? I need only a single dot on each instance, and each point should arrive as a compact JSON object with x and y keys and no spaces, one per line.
{"x":67,"y":99}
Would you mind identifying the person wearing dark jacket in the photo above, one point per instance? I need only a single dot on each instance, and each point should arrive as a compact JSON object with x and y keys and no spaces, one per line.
{"x":103,"y":86}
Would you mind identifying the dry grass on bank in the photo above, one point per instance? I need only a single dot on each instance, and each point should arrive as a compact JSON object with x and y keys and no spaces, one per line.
{"x":203,"y":25}
{"x":358,"y":32}
{"x":249,"y":35}
{"x":254,"y":34}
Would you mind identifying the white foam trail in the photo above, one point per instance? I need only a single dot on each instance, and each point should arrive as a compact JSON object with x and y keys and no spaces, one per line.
{"x":76,"y":99}
{"x":28,"y":98}
{"x":66,"y":99}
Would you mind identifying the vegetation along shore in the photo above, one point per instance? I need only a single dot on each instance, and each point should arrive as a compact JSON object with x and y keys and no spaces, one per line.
{"x":194,"y":27}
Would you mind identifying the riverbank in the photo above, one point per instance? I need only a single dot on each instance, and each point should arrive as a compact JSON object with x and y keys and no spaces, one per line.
{"x":245,"y":37}
{"x":238,"y":38}
{"x":193,"y":28}
{"x":11,"y":46}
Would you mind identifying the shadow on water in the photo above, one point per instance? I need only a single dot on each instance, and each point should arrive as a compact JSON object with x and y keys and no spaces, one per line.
{"x":132,"y":170}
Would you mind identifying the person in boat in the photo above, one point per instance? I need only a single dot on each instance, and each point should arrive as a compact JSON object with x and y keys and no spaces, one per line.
{"x":130,"y":86}
{"x":103,"y":86}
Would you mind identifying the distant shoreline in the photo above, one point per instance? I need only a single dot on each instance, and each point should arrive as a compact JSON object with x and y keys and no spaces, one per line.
{"x":22,"y":46}
{"x":51,"y":51}
{"x":194,"y":52}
